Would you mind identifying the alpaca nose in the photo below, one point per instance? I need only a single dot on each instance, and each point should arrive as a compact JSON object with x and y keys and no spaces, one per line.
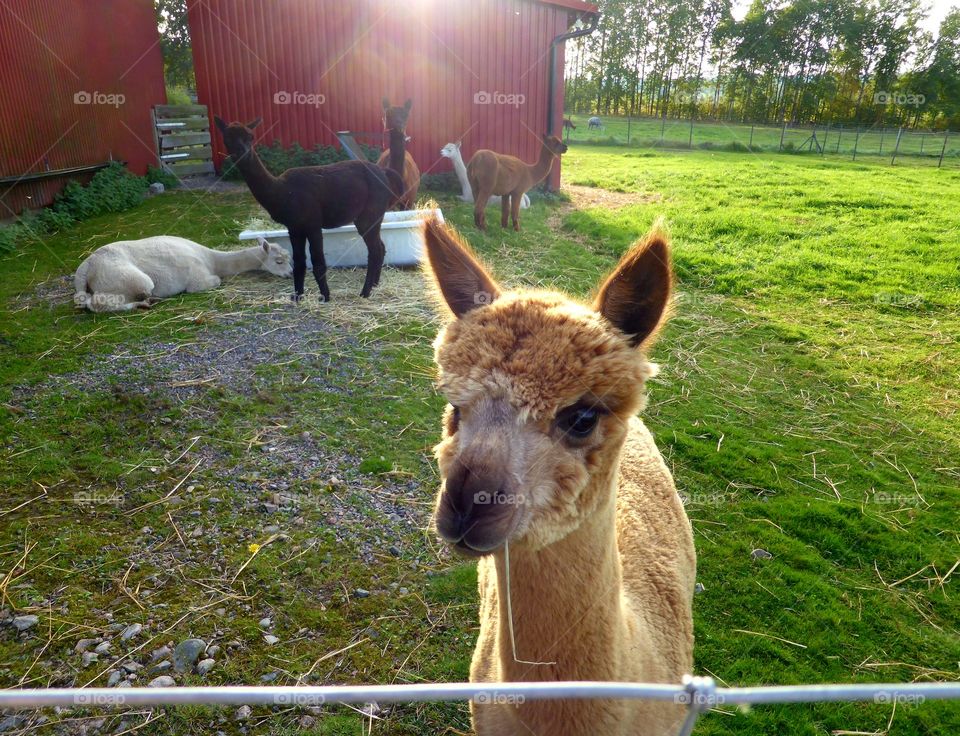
{"x":470,"y":488}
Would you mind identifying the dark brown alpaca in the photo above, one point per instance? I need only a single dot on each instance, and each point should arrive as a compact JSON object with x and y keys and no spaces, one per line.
{"x":568,"y":124}
{"x":397,"y":157}
{"x":496,"y":173}
{"x":308,"y":199}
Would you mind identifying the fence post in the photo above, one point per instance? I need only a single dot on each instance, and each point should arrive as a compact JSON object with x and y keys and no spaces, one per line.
{"x":922,"y":136}
{"x":663,"y":125}
{"x":943,"y":150}
{"x":826,"y":135}
{"x":856,"y":143}
{"x":882,"y":132}
{"x":750,"y":145}
{"x":628,"y":129}
{"x":896,"y":147}
{"x":690,"y":140}
{"x":783,"y":131}
{"x":839,"y":136}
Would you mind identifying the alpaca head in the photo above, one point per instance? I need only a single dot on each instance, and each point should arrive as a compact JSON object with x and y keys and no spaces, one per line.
{"x":395,"y":118}
{"x":237,"y":137}
{"x":540,"y":388}
{"x":450,"y":150}
{"x":554,"y":145}
{"x":275,"y":259}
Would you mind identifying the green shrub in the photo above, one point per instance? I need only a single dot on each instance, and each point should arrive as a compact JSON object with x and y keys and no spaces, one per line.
{"x":443,"y":182}
{"x":178,"y":96}
{"x":278,"y":159}
{"x":160,"y":174}
{"x":113,"y":189}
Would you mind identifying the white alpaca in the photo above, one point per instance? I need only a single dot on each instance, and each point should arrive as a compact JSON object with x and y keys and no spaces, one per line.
{"x":136,"y":273}
{"x":452,"y":152}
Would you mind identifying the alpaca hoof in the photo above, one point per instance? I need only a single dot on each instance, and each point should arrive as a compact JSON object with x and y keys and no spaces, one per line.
{"x":296,"y":298}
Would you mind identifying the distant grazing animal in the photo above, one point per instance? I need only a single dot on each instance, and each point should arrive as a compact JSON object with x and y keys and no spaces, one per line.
{"x":568,"y":124}
{"x":496,"y":173}
{"x":553,"y":482}
{"x":308,"y":199}
{"x":397,"y":157}
{"x":594,"y":122}
{"x":137,"y":273}
{"x":452,"y":152}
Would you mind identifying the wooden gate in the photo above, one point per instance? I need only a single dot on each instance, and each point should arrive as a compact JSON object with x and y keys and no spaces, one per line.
{"x":183,"y":139}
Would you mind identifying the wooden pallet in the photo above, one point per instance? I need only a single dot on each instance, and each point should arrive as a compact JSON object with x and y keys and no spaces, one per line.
{"x":183,"y":139}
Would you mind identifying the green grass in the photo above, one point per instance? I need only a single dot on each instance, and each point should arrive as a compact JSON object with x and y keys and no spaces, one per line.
{"x":807,"y":405}
{"x":916,"y":148}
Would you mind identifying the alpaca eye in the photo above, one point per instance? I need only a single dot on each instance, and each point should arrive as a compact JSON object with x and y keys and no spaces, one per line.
{"x":578,"y":422}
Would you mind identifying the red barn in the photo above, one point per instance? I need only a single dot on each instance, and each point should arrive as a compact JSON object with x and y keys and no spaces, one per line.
{"x":77,"y":80}
{"x":476,"y":70}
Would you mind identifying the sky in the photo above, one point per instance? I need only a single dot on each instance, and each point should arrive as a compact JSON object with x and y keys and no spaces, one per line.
{"x":938,"y":9}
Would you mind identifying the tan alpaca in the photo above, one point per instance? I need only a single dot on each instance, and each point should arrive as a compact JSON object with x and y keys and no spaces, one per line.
{"x":542,"y":449}
{"x":492,"y":173}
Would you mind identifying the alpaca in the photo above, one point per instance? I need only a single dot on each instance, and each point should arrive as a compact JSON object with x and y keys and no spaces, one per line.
{"x":553,"y":482}
{"x":495,"y":173}
{"x":594,"y":122}
{"x":568,"y":124}
{"x":308,"y":199}
{"x":452,"y":152}
{"x":397,"y":157}
{"x":137,"y":273}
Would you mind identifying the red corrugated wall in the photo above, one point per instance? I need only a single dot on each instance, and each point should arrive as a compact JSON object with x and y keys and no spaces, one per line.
{"x":439,"y":53}
{"x":49,"y":52}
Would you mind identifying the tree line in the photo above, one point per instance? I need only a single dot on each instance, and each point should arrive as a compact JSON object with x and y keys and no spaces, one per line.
{"x":862,"y":62}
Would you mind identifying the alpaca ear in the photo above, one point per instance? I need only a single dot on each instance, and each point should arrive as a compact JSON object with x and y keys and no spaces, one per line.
{"x":386,"y":104}
{"x":264,"y":244}
{"x":222,"y":126}
{"x":254,"y":123}
{"x":462,"y":281}
{"x":634,"y":298}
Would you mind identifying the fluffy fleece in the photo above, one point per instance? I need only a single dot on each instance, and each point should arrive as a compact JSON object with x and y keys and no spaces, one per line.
{"x":601,"y":551}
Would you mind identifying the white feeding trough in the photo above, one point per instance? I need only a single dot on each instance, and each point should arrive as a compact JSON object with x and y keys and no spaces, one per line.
{"x":344,"y":248}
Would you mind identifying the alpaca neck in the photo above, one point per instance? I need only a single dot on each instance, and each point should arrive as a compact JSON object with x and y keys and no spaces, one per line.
{"x":461,"y":171}
{"x":262,"y":184}
{"x":539,"y":170}
{"x":397,"y":150}
{"x":230,"y":263}
{"x":565,"y":600}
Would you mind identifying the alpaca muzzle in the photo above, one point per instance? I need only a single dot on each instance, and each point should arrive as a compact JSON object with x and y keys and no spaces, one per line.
{"x":476,"y":512}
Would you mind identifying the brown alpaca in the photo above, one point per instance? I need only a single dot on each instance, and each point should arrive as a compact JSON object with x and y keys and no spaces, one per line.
{"x":496,"y":173}
{"x":397,"y":157}
{"x":545,"y":466}
{"x":307,"y":199}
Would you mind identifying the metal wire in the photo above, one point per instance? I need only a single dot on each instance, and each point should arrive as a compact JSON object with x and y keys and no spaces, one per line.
{"x":698,"y":693}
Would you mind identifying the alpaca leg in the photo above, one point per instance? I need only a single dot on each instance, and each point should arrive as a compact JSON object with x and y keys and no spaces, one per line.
{"x":319,"y":263}
{"x":515,"y":198}
{"x":118,"y":289}
{"x":298,"y":242}
{"x":203,"y":282}
{"x":376,"y":252}
{"x":504,"y":209}
{"x":383,"y":257}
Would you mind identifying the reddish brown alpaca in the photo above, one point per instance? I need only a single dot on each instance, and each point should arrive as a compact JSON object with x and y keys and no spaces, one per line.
{"x":397,"y":157}
{"x":496,"y":173}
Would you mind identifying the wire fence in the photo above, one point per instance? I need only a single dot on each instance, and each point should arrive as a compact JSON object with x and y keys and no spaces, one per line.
{"x":697,"y":694}
{"x":940,"y":148}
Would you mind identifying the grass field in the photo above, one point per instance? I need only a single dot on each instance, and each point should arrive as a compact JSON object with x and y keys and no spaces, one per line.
{"x":874,"y":145}
{"x":227,"y":457}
